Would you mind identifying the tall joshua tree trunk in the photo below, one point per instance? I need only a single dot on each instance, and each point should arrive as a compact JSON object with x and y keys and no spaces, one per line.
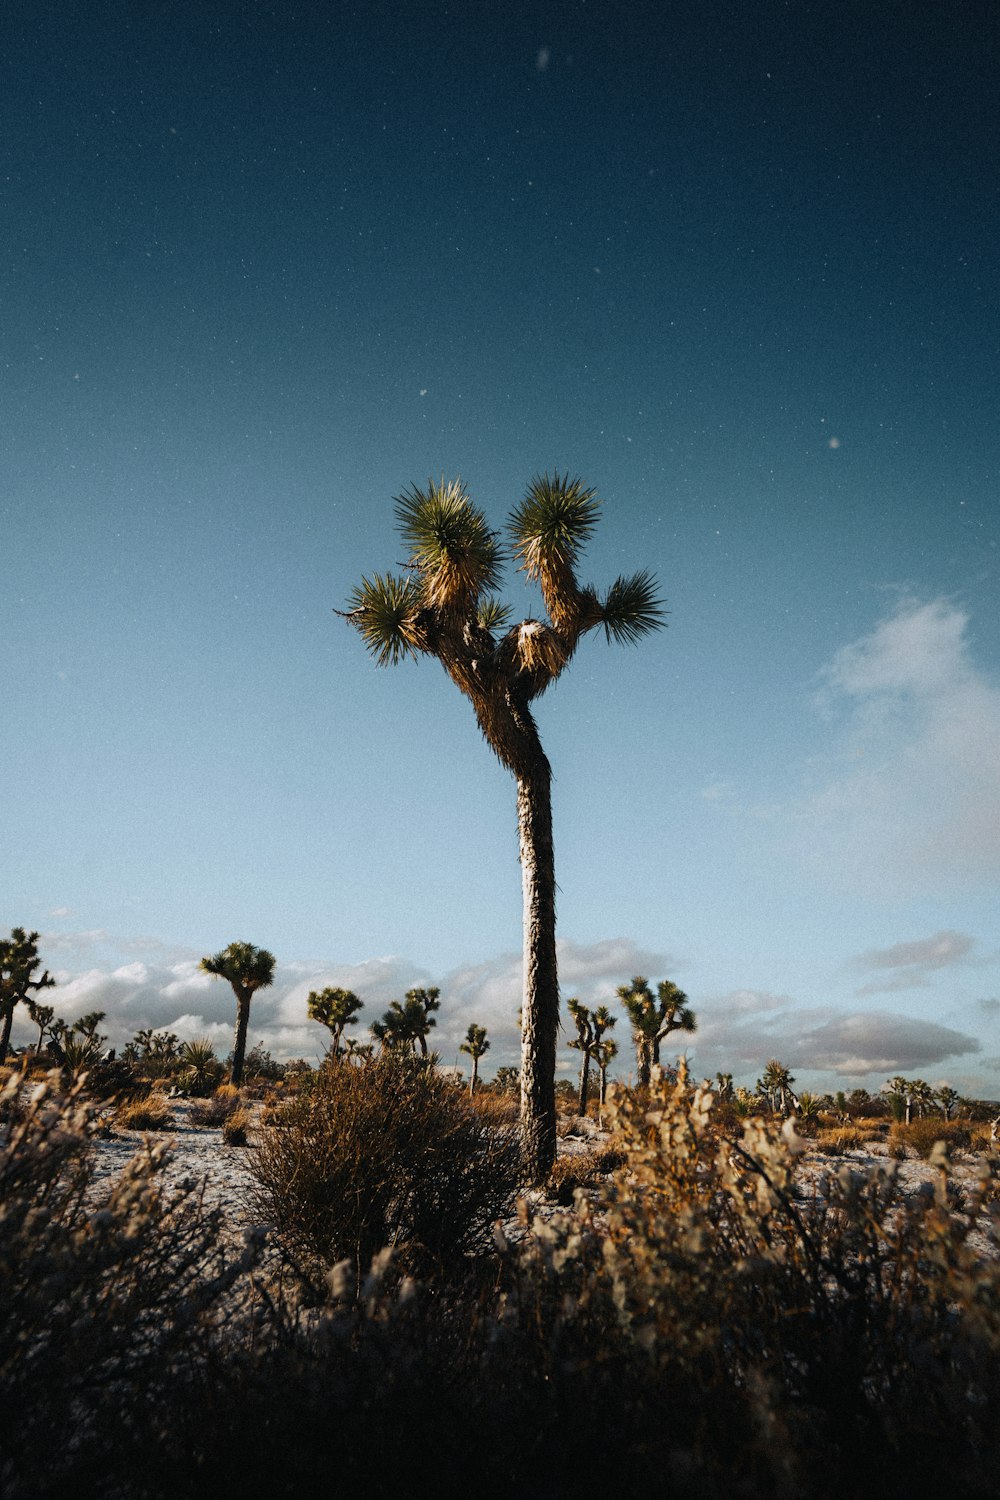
{"x":240,"y":1044}
{"x":540,"y":994}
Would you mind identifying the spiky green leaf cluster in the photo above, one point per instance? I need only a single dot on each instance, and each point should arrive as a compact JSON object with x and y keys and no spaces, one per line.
{"x":244,"y":965}
{"x":632,"y":608}
{"x":553,"y":522}
{"x":381,"y":608}
{"x":493,"y":614}
{"x":450,"y":544}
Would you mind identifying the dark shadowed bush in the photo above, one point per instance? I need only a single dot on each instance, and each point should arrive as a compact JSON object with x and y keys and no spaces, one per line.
{"x":385,"y":1153}
{"x":107,"y":1295}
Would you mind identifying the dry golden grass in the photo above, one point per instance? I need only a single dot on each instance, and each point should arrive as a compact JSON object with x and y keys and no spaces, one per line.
{"x":235,"y":1127}
{"x":151,"y":1113}
{"x":922,"y":1135}
{"x":496,"y":1109}
{"x":585,"y":1169}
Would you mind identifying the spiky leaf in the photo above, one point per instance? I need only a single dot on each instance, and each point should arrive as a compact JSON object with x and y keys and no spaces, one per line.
{"x":553,"y":523}
{"x":632,"y":608}
{"x":493,"y":614}
{"x":450,"y":544}
{"x":382,"y":609}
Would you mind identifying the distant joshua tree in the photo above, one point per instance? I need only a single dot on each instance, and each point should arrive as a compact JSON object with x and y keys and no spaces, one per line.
{"x":445,"y":606}
{"x":507,"y":1080}
{"x":606,"y":1052}
{"x":653,"y":1019}
{"x":776,"y":1087}
{"x":590,"y":1028}
{"x":18,"y":962}
{"x":724,"y":1085}
{"x":408,"y":1023}
{"x":334,"y":1009}
{"x":43,"y":1017}
{"x":248,"y":969}
{"x":474,"y":1046}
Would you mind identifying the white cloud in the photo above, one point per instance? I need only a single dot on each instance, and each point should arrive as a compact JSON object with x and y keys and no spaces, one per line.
{"x":739,"y":1032}
{"x":909,"y":794}
{"x":912,"y":964}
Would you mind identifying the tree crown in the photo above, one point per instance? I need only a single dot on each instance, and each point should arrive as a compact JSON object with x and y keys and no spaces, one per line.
{"x":444,"y":605}
{"x":247,"y":968}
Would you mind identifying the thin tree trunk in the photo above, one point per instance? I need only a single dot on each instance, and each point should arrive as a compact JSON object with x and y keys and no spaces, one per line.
{"x":643,"y":1060}
{"x":240,"y":1044}
{"x":8,"y":1021}
{"x":540,"y":1005}
{"x":474,"y":1079}
{"x":584,"y":1082}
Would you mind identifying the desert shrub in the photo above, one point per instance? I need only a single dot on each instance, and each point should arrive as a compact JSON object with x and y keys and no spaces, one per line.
{"x":277,"y":1110}
{"x":385,"y":1153}
{"x":214,"y":1112}
{"x":923,"y":1134}
{"x":837,"y":1139}
{"x":151,"y":1112}
{"x":105,"y":1297}
{"x":855,"y":1322}
{"x":583,"y":1170}
{"x":235,"y":1127}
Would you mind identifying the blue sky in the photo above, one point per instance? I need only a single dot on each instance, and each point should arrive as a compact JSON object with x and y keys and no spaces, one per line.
{"x":263,"y":270}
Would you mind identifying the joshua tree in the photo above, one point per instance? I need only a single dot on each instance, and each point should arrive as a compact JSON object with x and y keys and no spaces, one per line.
{"x":355,"y":1049}
{"x":949,"y":1099}
{"x":590,"y":1027}
{"x":653,"y":1019}
{"x":43,"y":1017}
{"x":724,"y":1085}
{"x":444,"y":606}
{"x":248,"y":969}
{"x":605,"y":1054}
{"x":18,"y":962}
{"x":474,"y":1046}
{"x":409,"y":1022}
{"x":922,"y":1096}
{"x":900,"y":1100}
{"x":776,"y":1086}
{"x":86,"y":1025}
{"x":507,"y":1080}
{"x":334,"y":1009}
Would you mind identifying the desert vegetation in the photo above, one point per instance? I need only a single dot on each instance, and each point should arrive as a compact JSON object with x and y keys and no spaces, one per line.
{"x":753,"y":1287}
{"x":738,"y":1328}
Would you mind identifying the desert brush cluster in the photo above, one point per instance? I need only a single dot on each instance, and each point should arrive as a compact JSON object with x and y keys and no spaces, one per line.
{"x":714,"y":1323}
